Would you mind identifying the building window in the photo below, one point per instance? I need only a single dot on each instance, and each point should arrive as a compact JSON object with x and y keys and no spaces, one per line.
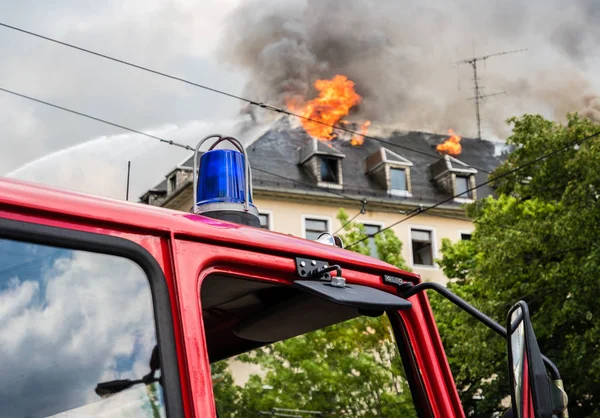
{"x":329,"y":170}
{"x":172,"y":183}
{"x":398,"y":179}
{"x":371,"y":230}
{"x":465,"y":237}
{"x":462,"y":186}
{"x":265,"y":219}
{"x":75,"y":319}
{"x":313,"y":228}
{"x":422,"y":250}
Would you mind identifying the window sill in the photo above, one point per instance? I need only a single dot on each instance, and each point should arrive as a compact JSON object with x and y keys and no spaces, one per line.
{"x":426,"y":267}
{"x":327,"y":185}
{"x":399,"y":193}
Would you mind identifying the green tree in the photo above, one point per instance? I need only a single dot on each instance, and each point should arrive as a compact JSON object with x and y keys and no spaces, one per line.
{"x":351,"y":369}
{"x":225,"y":391}
{"x":535,"y":240}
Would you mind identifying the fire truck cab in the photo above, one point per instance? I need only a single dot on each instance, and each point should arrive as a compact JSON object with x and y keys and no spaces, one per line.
{"x":110,"y":308}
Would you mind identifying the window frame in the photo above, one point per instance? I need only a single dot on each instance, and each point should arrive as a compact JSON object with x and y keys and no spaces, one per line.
{"x":381,"y":225}
{"x":335,"y":166}
{"x":400,"y":329}
{"x":431,"y":230}
{"x":33,"y":233}
{"x":464,"y":232}
{"x":466,"y":197}
{"x":172,"y":183}
{"x":269,"y":214}
{"x":316,"y":218}
{"x":392,"y":188}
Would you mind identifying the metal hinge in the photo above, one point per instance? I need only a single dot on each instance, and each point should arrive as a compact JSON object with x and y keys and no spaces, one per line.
{"x":309,"y":268}
{"x":319,"y":270}
{"x":402,"y":285}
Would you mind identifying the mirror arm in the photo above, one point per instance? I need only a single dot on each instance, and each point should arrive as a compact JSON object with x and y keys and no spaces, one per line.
{"x":476,"y":313}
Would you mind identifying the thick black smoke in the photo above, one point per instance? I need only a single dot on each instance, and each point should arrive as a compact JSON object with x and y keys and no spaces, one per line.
{"x":398,"y":52}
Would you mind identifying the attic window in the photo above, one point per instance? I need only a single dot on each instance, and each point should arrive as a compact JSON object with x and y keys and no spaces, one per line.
{"x":398,"y":179}
{"x":172,"y":183}
{"x":391,"y":171}
{"x":462,"y":187}
{"x":323,"y":162}
{"x":329,"y":170}
{"x":455,"y":178}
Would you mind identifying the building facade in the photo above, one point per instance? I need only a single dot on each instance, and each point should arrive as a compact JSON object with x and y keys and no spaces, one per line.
{"x":300,"y":184}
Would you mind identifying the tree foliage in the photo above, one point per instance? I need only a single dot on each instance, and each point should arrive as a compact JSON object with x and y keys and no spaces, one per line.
{"x":351,"y":369}
{"x":537,"y":241}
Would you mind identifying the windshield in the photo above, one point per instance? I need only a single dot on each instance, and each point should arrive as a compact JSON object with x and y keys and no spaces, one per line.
{"x":327,"y":359}
{"x":350,"y":369}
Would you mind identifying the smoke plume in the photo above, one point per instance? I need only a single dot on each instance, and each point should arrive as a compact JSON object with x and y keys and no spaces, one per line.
{"x":398,"y":52}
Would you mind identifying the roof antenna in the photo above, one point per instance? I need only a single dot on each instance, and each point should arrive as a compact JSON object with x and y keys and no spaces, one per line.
{"x":128,"y":174}
{"x":478,"y":95}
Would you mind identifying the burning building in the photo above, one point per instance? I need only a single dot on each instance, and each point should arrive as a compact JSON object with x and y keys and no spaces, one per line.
{"x":301,"y":182}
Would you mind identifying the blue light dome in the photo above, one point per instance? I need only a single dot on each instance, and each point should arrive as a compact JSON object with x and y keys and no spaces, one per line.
{"x":223,"y":183}
{"x":221,"y":178}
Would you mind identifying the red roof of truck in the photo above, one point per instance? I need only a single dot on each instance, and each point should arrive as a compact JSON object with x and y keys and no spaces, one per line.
{"x":158,"y":221}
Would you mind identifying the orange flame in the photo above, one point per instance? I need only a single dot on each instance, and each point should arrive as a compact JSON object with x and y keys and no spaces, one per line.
{"x":357,"y":140}
{"x":336,"y":98}
{"x":452,"y":145}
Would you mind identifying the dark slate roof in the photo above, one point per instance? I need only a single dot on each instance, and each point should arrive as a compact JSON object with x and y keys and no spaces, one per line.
{"x":278,"y":152}
{"x":160,"y":187}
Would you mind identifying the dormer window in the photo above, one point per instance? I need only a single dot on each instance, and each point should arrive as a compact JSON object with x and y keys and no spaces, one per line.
{"x":398,"y":180}
{"x":172,"y":182}
{"x":455,"y":178}
{"x":323,"y":162}
{"x":463,"y":186}
{"x":391,"y":171}
{"x":329,"y":168}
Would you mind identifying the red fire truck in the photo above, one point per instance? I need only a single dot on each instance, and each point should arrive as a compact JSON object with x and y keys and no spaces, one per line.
{"x":110,"y":308}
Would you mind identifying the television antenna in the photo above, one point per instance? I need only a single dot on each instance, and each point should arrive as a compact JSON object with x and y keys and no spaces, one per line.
{"x":479,"y":97}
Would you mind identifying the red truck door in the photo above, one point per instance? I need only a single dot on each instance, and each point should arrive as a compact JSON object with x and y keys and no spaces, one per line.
{"x":83,"y":305}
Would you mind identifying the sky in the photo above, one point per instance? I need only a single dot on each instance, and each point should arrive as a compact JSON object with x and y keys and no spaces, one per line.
{"x":398,"y":52}
{"x":68,"y":325}
{"x":50,"y":146}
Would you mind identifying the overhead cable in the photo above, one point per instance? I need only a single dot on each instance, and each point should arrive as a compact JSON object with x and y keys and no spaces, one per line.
{"x":224,"y":93}
{"x":421,"y":210}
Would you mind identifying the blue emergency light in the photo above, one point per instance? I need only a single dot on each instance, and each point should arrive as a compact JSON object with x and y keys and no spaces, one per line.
{"x":223,"y":183}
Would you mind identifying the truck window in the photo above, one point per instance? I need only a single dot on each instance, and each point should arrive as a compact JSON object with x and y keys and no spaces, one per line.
{"x":275,"y":351}
{"x":70,"y":320}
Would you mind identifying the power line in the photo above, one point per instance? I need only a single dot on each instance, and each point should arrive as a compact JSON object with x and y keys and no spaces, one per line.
{"x":169,"y":142}
{"x":362,"y":211}
{"x":490,"y":180}
{"x":224,"y":93}
{"x":85,"y":115}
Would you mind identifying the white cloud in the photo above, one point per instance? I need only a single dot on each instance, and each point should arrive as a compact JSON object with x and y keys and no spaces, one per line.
{"x":88,"y":318}
{"x":99,"y":166}
{"x":171,"y":36}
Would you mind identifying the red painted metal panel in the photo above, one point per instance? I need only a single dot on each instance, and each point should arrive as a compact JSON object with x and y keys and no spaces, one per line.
{"x":196,"y":261}
{"x":431,"y":359}
{"x":144,"y":219}
{"x":188,"y":247}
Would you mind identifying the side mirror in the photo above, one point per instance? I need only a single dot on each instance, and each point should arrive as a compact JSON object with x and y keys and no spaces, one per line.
{"x":533,"y":393}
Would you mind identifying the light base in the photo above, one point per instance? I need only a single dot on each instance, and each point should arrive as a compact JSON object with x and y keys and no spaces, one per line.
{"x":230,"y":212}
{"x":243,"y":218}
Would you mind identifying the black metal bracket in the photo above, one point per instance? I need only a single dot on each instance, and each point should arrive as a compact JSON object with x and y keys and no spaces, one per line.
{"x":310,"y":268}
{"x":398,"y":282}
